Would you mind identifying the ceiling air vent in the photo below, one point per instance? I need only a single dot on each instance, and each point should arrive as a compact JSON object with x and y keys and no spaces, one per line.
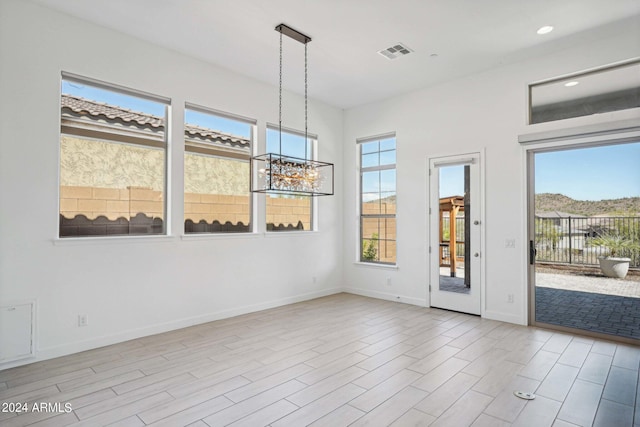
{"x":395,"y":51}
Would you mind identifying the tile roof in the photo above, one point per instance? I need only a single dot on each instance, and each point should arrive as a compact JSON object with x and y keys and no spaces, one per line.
{"x":75,"y":106}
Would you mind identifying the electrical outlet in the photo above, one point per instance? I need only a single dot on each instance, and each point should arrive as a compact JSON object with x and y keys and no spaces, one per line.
{"x":83,"y":320}
{"x":314,"y":279}
{"x":388,"y":281}
{"x":510,"y":298}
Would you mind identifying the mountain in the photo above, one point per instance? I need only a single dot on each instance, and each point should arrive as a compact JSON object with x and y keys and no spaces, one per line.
{"x":548,"y":202}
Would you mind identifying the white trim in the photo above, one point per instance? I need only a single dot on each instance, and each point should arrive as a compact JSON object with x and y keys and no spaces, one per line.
{"x":504,"y":317}
{"x":593,"y":70}
{"x":285,"y":233}
{"x":194,"y":237}
{"x":376,"y":138}
{"x":168,"y":167}
{"x":124,"y":239}
{"x":224,"y":114}
{"x":463,"y":161}
{"x":292,"y":131}
{"x":376,"y":265}
{"x":386,"y":296}
{"x":586,"y":132}
{"x":76,"y":78}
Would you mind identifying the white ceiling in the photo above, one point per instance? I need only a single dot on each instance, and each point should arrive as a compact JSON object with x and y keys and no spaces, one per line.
{"x":345,"y":69}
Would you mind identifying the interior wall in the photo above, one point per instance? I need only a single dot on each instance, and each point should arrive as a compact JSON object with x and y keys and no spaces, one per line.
{"x":131,"y":287}
{"x":482,"y":113}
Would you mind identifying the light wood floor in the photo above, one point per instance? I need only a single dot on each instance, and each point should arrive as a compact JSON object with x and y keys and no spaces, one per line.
{"x":337,"y":361}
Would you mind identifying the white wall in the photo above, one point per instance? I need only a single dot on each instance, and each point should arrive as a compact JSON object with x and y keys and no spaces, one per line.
{"x":133,"y":288}
{"x":485,"y":112}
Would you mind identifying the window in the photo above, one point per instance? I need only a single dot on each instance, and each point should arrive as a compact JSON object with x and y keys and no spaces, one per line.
{"x":113,"y":155}
{"x":378,"y":200}
{"x":289,"y":212}
{"x":216,"y":172}
{"x":607,"y":89}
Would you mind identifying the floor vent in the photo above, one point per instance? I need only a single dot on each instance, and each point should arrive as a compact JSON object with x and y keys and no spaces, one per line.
{"x":395,"y":51}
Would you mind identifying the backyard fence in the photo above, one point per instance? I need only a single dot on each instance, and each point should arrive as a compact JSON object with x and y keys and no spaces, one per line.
{"x":567,"y":240}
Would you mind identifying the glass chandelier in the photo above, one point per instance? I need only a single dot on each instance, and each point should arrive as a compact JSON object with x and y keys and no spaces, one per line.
{"x":281,"y":174}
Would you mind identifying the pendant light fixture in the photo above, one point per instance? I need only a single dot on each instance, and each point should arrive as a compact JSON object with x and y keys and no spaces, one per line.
{"x":282,"y":174}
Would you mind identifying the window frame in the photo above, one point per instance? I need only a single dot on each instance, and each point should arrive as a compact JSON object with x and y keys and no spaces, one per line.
{"x":362,"y":216}
{"x":128,"y":137}
{"x":599,"y":103}
{"x":252,"y":123}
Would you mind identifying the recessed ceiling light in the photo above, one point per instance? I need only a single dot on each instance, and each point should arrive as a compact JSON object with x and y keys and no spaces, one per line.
{"x":545,"y":30}
{"x":571,"y":84}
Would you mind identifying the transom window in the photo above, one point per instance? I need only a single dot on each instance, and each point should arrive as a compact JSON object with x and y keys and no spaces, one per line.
{"x":378,"y":200}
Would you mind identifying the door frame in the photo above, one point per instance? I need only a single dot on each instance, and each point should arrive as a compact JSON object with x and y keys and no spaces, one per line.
{"x":432,"y":252}
{"x":616,"y":132}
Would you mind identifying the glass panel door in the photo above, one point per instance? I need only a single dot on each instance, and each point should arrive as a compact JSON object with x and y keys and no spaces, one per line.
{"x":455,"y":233}
{"x":585,"y":238}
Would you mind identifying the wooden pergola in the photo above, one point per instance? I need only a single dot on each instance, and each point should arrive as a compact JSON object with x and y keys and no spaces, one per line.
{"x":453,"y":205}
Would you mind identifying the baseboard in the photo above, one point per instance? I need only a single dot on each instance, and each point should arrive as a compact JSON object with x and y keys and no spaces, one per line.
{"x":386,"y":296}
{"x":492,"y":315}
{"x":76,"y":347}
{"x":505,"y":317}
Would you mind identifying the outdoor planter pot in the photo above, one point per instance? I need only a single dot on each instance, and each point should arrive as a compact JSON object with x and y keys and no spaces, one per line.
{"x":614,"y":267}
{"x":615,"y":243}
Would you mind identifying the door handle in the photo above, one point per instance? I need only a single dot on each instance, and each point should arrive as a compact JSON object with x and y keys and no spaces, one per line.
{"x":532,"y":252}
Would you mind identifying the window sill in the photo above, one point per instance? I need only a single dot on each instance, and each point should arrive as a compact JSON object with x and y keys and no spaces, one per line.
{"x":376,"y":265}
{"x":279,"y":234}
{"x":194,"y":237}
{"x":73,"y":241}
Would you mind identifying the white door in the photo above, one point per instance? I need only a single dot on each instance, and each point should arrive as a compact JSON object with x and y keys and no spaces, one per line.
{"x":454,"y":232}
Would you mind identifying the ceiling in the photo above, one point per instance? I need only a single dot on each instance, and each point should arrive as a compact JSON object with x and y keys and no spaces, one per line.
{"x":450,"y":38}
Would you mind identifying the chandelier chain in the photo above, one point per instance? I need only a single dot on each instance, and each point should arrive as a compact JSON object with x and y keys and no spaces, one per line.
{"x":280,"y":98}
{"x":278,"y":174}
{"x":306,"y":118}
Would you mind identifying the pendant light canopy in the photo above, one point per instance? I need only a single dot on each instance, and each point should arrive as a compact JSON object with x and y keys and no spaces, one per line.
{"x":281,"y":174}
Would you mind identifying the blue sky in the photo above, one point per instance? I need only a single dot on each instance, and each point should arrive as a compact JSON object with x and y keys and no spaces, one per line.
{"x":598,"y":173}
{"x":292,"y":145}
{"x":113,"y":98}
{"x":209,"y":121}
{"x":451,"y":181}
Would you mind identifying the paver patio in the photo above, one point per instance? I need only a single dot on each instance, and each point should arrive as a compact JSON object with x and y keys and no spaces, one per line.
{"x":597,"y":304}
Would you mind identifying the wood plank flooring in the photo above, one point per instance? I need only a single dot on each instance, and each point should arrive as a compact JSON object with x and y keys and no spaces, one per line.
{"x":336,"y":361}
